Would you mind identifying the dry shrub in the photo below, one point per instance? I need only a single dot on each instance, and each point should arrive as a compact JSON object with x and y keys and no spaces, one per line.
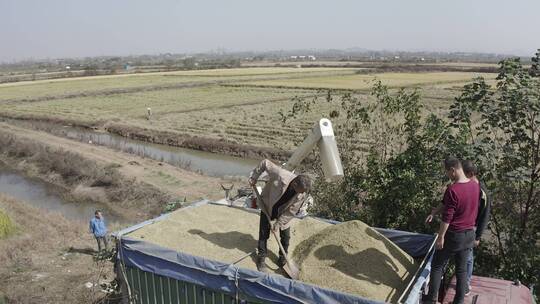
{"x":148,"y":198}
{"x":94,"y":194}
{"x":72,"y":167}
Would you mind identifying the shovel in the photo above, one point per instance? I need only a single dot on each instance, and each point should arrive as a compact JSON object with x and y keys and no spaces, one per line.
{"x":290,"y":268}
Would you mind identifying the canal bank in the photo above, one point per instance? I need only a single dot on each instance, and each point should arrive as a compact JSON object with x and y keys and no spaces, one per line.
{"x":207,"y":163}
{"x":46,"y":196}
{"x":137,"y":186}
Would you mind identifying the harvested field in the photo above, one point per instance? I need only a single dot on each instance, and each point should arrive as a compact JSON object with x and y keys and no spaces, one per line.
{"x":349,"y":257}
{"x":228,"y":107}
{"x":60,"y":88}
{"x":132,"y":106}
{"x":365,"y":81}
{"x":261,"y":71}
{"x":356,"y":259}
{"x":78,"y":85}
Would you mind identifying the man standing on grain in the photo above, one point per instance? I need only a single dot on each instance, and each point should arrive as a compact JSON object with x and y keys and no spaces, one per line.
{"x":99,"y":230}
{"x":283,"y":197}
{"x":456,"y":233}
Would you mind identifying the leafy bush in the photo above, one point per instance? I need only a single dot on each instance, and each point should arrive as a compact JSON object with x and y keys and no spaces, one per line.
{"x":394,"y":180}
{"x":499,"y":127}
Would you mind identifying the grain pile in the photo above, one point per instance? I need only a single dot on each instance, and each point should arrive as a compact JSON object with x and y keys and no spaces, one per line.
{"x":221,"y":233}
{"x":352,"y":257}
{"x":348,"y":257}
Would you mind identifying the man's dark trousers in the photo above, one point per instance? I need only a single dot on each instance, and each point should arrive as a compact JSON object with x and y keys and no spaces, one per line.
{"x":456,"y":244}
{"x":101,"y":239}
{"x":264,"y":234}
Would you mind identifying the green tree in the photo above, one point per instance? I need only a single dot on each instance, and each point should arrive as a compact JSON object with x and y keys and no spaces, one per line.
{"x":392,"y":168}
{"x":392,"y":151}
{"x":499,"y":127}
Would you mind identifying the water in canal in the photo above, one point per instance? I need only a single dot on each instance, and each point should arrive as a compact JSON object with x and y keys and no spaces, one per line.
{"x":42,"y":195}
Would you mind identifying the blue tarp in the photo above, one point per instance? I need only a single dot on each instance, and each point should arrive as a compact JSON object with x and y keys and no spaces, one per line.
{"x":232,"y":280}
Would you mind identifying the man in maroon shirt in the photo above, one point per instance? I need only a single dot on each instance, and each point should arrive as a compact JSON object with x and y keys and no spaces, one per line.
{"x":456,"y":232}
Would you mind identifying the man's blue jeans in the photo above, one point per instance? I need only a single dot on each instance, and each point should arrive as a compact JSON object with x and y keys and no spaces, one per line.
{"x":470,"y":262}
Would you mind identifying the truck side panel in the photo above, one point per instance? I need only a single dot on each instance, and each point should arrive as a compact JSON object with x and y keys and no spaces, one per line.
{"x":149,"y":288}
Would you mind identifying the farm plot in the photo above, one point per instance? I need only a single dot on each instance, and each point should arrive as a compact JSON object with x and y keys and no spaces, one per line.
{"x":260,"y":124}
{"x":253,"y":124}
{"x":262,"y":71}
{"x":59,"y":88}
{"x":365,"y":81}
{"x":243,"y":112}
{"x":132,"y":107}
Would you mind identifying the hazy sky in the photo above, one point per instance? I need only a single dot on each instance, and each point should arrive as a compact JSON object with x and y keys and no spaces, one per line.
{"x":74,"y":28}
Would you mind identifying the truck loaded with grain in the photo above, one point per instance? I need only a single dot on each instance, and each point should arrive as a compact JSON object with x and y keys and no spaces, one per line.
{"x":207,"y":253}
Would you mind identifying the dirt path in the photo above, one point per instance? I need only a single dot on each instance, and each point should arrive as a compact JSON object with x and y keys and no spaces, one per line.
{"x":176,"y":181}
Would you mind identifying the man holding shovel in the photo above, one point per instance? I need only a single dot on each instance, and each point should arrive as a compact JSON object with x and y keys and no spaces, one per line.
{"x":281,"y":199}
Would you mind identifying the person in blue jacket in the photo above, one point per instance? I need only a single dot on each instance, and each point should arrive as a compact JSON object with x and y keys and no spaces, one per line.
{"x":99,"y":230}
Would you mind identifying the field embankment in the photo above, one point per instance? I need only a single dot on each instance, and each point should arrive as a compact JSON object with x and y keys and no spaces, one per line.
{"x":222,"y":146}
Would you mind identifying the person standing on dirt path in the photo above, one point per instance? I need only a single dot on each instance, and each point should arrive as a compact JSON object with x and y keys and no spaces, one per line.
{"x":99,"y":230}
{"x":283,"y":197}
{"x":482,"y":219}
{"x":456,"y":233}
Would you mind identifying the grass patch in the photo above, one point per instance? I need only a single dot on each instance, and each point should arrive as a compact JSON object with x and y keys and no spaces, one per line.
{"x":7,"y":227}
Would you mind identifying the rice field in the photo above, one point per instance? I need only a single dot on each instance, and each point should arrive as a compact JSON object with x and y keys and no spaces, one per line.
{"x":239,"y":105}
{"x":87,"y":85}
{"x":163,"y":103}
{"x":262,"y":71}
